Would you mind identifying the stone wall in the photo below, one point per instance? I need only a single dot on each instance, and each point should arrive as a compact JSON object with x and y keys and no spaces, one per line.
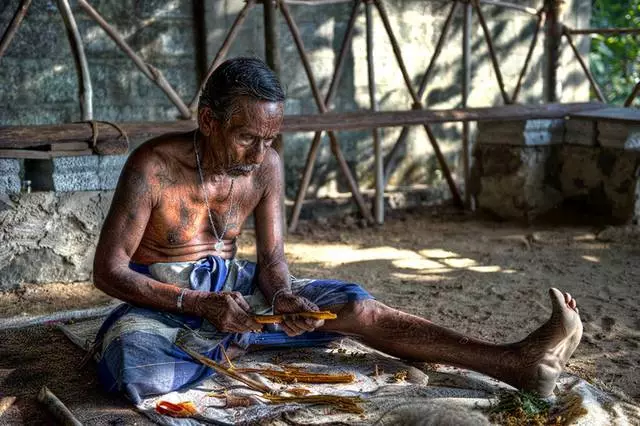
{"x":530,"y":174}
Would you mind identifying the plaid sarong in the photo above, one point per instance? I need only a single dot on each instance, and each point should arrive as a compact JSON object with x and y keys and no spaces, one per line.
{"x":136,"y":346}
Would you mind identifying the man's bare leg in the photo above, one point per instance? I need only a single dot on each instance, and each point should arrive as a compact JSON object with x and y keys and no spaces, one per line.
{"x":532,"y":364}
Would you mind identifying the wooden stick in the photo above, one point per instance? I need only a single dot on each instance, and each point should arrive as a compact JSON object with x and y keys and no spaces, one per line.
{"x":633,"y":95}
{"x":393,"y":156}
{"x":222,"y":52}
{"x":42,"y":155}
{"x":82,"y":68}
{"x":294,"y":375}
{"x":226,"y":371}
{"x":436,"y":150}
{"x":534,"y":41}
{"x":345,"y":403}
{"x":335,"y":146}
{"x":315,"y":144}
{"x":378,"y":205}
{"x":583,"y":31}
{"x":57,"y":408}
{"x":396,"y":49}
{"x":492,"y":53}
{"x":149,"y":71}
{"x":275,"y":319}
{"x":13,"y":26}
{"x":592,"y":81}
{"x":529,"y":10}
{"x":466,"y":90}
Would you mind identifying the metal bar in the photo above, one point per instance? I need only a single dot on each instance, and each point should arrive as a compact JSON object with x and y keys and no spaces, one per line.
{"x":583,"y":31}
{"x":315,"y":144}
{"x":85,"y":90}
{"x":532,"y":47}
{"x":222,"y":52}
{"x":506,"y":5}
{"x":466,"y":89}
{"x":592,"y":81}
{"x":378,"y":206}
{"x":335,"y":147}
{"x":633,"y":95}
{"x":396,"y":49}
{"x":13,"y":26}
{"x":553,"y":35}
{"x":148,"y":70}
{"x":392,"y":158}
{"x":492,"y":53}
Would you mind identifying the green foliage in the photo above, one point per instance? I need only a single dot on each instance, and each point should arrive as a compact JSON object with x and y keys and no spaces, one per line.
{"x":615,"y":58}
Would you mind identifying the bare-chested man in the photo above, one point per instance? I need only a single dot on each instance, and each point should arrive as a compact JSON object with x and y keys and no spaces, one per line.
{"x":168,"y":249}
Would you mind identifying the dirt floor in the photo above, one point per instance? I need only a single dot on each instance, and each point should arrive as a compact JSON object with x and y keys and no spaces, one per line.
{"x":480,"y":277}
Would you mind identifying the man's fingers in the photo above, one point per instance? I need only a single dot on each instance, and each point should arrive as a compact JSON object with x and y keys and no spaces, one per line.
{"x":239,"y":299}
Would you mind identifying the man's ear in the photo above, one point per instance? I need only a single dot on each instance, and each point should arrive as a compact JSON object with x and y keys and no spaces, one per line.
{"x":206,"y":121}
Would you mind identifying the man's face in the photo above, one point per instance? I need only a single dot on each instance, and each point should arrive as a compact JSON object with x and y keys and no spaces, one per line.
{"x":250,"y":132}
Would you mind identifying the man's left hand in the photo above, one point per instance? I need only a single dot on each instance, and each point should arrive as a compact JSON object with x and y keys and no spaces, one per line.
{"x":291,"y":304}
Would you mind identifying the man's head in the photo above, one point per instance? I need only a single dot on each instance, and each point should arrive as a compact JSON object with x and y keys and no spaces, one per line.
{"x":240,"y":111}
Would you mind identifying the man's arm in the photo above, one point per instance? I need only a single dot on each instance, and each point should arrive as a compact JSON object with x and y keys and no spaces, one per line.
{"x":273,"y":272}
{"x":136,"y":195}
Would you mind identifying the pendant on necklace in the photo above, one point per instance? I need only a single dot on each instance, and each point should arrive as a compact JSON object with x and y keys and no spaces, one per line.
{"x":219,"y":245}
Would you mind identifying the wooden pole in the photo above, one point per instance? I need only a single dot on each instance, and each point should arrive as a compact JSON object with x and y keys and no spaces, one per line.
{"x":315,"y":144}
{"x":378,"y":205}
{"x":583,"y":31}
{"x":396,"y":49}
{"x":492,"y":53}
{"x":529,"y":10}
{"x":585,"y":68}
{"x":633,"y":95}
{"x":13,"y":26}
{"x":222,"y":52}
{"x":393,"y":157}
{"x":553,"y":35}
{"x":532,"y":47}
{"x":148,"y":70}
{"x":335,"y":147}
{"x":82,"y":68}
{"x":272,"y":56}
{"x":466,"y":89}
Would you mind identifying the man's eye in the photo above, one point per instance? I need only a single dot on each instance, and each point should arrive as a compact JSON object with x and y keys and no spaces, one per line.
{"x":268,"y":142}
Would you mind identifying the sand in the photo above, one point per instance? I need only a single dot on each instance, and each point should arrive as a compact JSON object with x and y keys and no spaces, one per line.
{"x":483,"y":278}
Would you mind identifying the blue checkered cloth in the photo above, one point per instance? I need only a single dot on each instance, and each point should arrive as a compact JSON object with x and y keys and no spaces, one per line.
{"x":136,"y":346}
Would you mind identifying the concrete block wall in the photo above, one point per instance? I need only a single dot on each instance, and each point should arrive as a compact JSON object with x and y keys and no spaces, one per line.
{"x":593,"y":171}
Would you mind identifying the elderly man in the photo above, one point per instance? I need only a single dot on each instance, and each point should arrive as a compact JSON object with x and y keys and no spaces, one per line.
{"x":167,"y":248}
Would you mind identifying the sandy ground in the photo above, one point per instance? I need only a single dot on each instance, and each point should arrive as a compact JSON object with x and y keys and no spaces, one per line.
{"x":483,"y":278}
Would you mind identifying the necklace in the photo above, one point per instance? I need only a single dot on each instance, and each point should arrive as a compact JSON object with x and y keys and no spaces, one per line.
{"x":219,"y":245}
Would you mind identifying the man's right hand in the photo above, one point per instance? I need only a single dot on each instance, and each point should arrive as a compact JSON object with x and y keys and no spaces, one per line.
{"x":228,"y":312}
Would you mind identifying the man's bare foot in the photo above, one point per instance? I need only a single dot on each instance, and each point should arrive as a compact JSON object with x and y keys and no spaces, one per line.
{"x":545,"y":352}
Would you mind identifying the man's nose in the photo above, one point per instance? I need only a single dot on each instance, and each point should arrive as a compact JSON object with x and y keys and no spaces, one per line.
{"x":258,"y":152}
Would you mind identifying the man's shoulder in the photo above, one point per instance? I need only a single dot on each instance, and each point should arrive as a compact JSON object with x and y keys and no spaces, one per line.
{"x":157,"y":152}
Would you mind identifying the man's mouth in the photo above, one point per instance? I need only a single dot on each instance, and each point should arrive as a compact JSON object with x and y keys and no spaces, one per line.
{"x":243,"y":169}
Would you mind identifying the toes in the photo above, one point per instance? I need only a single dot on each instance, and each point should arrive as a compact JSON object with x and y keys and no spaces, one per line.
{"x":573,"y":304}
{"x":567,"y":298}
{"x":557,"y":298}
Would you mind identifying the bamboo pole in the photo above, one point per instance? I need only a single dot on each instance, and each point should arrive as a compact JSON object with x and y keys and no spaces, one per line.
{"x":57,"y":408}
{"x":11,"y":30}
{"x":335,"y":147}
{"x":394,"y":154}
{"x":82,"y":68}
{"x":148,"y":70}
{"x":633,"y":95}
{"x":592,"y":81}
{"x":492,"y":53}
{"x":222,"y":52}
{"x":315,"y":144}
{"x":378,"y":205}
{"x":466,"y":89}
{"x":532,"y":47}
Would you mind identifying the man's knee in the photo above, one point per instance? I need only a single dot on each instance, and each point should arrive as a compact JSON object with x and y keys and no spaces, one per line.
{"x":361,"y":313}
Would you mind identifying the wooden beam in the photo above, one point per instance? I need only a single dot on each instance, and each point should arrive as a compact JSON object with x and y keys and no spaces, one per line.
{"x":584,"y":31}
{"x":11,"y":30}
{"x":20,"y":137}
